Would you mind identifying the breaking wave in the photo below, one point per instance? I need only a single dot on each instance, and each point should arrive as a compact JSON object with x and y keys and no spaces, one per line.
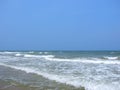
{"x":109,"y":60}
{"x":85,"y":61}
{"x":67,"y":79}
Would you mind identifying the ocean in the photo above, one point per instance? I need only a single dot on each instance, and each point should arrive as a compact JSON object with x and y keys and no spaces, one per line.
{"x":60,"y":70}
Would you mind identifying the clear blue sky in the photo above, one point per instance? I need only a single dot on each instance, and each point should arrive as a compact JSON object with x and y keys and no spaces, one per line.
{"x":59,"y":24}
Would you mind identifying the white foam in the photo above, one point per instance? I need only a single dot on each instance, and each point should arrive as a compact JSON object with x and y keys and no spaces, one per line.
{"x":111,"y":58}
{"x":84,"y":61}
{"x":17,"y":55}
{"x":39,"y":56}
{"x":27,"y":55}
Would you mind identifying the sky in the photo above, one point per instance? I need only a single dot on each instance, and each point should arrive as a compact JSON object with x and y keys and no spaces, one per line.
{"x":59,"y":25}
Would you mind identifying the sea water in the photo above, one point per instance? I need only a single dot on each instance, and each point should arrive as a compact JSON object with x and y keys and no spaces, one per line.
{"x":93,"y":70}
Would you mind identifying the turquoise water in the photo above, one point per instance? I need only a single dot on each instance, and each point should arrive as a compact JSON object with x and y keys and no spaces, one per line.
{"x":94,"y":70}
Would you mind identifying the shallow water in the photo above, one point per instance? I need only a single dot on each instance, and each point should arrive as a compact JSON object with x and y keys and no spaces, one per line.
{"x":93,"y":70}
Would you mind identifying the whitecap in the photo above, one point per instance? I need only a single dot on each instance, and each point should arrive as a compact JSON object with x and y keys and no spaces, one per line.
{"x":39,"y":56}
{"x":18,"y":54}
{"x":111,"y":58}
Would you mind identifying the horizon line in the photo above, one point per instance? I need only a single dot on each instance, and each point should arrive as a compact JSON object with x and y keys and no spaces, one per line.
{"x":59,"y":50}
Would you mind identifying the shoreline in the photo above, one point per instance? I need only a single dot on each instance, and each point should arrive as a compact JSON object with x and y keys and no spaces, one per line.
{"x":45,"y":84}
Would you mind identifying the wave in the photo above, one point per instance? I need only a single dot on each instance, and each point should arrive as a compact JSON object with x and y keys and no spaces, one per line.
{"x":18,"y":54}
{"x":81,"y":60}
{"x":106,"y":60}
{"x":6,"y":52}
{"x":39,"y":56}
{"x":85,"y":61}
{"x":67,"y":79}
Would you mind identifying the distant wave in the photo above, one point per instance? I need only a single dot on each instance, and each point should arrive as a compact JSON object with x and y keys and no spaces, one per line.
{"x":85,"y":61}
{"x":39,"y":56}
{"x":111,"y":58}
{"x":81,"y":60}
{"x":104,"y":60}
{"x":6,"y":52}
{"x":18,"y":54}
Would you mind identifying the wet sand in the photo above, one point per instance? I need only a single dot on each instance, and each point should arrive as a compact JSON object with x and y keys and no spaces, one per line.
{"x":6,"y":85}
